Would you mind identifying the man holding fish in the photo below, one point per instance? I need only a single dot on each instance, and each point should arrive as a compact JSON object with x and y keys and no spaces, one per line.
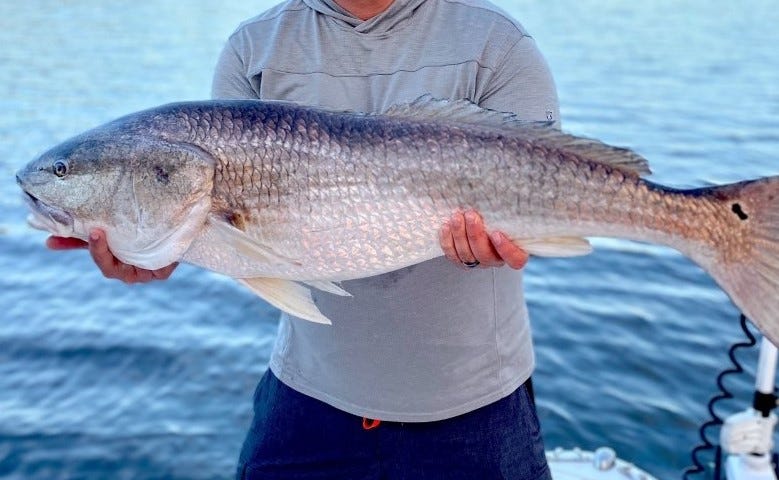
{"x":399,"y":362}
{"x":435,"y":357}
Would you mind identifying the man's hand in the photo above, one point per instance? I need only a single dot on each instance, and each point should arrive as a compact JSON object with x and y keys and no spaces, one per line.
{"x":109,"y":265}
{"x":465,"y":242}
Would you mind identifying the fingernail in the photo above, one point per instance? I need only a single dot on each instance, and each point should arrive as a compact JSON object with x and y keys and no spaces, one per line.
{"x":496,"y":238}
{"x":94,"y":236}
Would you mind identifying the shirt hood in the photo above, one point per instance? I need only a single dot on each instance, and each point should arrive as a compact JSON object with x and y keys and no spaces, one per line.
{"x":397,"y":14}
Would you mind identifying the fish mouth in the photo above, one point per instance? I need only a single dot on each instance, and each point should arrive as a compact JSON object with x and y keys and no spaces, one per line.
{"x":47,"y":217}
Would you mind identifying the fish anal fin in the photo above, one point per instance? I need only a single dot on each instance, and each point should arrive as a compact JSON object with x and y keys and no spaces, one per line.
{"x":555,"y":246}
{"x":288,"y":296}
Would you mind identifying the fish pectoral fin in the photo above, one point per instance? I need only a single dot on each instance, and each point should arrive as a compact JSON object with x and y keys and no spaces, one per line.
{"x":288,"y":296}
{"x":555,"y":246}
{"x":329,"y":287}
{"x":246,"y":245}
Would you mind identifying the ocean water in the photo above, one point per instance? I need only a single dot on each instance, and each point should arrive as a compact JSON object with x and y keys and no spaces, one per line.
{"x":103,"y":380}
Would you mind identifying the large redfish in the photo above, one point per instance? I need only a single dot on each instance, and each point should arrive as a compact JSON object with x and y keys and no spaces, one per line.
{"x":275,"y":193}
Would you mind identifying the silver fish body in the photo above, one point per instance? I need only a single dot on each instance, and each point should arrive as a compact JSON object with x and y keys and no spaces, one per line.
{"x":272,"y":192}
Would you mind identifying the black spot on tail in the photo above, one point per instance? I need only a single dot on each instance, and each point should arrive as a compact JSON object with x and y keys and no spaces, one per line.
{"x":738,"y":211}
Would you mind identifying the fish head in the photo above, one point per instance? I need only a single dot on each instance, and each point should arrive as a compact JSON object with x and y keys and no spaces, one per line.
{"x":148,"y":194}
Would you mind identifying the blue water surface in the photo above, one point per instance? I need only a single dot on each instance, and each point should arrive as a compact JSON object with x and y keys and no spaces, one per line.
{"x":103,"y":380}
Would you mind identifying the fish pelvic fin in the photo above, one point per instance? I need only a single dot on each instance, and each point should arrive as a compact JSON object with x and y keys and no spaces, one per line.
{"x":288,"y":296}
{"x":751,"y":279}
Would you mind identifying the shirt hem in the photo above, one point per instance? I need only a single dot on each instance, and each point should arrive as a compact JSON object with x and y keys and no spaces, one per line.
{"x":393,"y":416}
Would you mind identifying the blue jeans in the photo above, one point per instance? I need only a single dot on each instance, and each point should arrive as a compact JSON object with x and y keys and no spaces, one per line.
{"x":294,"y":436}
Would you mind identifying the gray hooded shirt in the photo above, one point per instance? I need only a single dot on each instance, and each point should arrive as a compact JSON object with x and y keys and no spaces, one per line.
{"x":431,"y":341}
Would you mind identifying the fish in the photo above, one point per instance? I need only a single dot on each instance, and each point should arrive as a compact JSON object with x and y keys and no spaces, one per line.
{"x":286,"y":198}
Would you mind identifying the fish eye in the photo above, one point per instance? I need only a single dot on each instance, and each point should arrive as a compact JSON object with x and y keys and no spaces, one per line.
{"x":60,"y":168}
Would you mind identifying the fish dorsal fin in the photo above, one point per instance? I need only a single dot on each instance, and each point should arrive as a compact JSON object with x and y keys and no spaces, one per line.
{"x":467,"y":112}
{"x":458,"y":111}
{"x":619,"y":158}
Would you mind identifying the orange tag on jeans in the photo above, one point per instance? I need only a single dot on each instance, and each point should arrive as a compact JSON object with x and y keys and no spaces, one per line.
{"x":370,"y":423}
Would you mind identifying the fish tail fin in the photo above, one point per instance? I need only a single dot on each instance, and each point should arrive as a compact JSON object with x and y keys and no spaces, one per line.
{"x":746,"y":265}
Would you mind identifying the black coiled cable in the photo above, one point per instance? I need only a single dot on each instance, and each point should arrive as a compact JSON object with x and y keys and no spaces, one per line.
{"x":705,"y":445}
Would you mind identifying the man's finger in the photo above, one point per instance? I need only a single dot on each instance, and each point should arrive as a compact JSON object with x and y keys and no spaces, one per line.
{"x":142,"y":275}
{"x":514,"y":256}
{"x":447,"y":243}
{"x":461,"y":244}
{"x":104,"y":259}
{"x":479,"y":241}
{"x":164,"y":272}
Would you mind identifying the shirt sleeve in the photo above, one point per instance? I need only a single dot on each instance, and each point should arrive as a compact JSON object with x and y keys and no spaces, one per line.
{"x":522,"y":83}
{"x":230,"y":80}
